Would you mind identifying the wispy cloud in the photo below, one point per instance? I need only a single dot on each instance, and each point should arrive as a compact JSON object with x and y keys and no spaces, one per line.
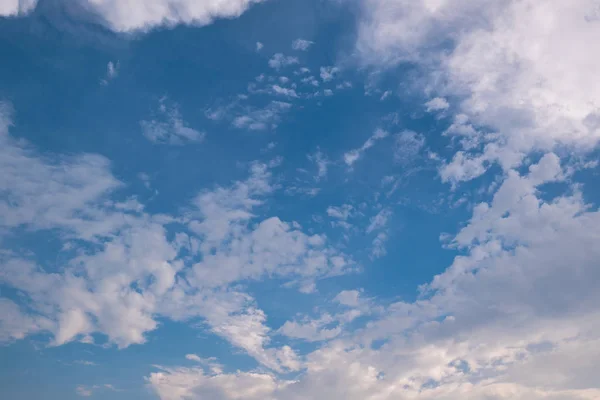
{"x":352,"y":156}
{"x":169,"y":127}
{"x":280,"y":60}
{"x":301,"y":44}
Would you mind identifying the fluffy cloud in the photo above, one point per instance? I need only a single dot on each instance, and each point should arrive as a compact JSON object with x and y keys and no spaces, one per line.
{"x":514,"y":318}
{"x":328,"y":73}
{"x":130,"y":15}
{"x":128,"y":276}
{"x":437,"y":104}
{"x":195,"y":383}
{"x":521,"y":68}
{"x":133,"y":15}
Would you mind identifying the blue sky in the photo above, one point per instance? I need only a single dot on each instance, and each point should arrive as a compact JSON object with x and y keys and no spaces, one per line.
{"x":317,"y":199}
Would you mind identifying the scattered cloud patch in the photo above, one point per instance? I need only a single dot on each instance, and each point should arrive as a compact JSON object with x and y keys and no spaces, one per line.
{"x":301,"y":44}
{"x":280,"y":60}
{"x":262,"y":119}
{"x":322,"y":163}
{"x":328,"y":73}
{"x":168,"y":127}
{"x":342,"y":212}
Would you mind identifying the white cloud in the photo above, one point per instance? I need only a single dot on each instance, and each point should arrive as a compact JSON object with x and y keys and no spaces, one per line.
{"x":279,"y":61}
{"x":112,"y":70}
{"x":169,"y":127}
{"x":407,"y":146}
{"x":511,"y":64}
{"x":45,"y":193}
{"x":378,"y":249}
{"x":261,"y":118}
{"x":83,"y":391}
{"x":342,"y":212}
{"x":515,"y":317}
{"x":193,"y":357}
{"x":322,"y":164}
{"x":16,"y":7}
{"x":133,"y":15}
{"x":129,"y":278}
{"x":348,"y":298}
{"x":194,"y":383}
{"x":251,"y":117}
{"x":437,"y":104}
{"x":259,"y":46}
{"x":378,"y":223}
{"x":86,"y":363}
{"x":211,"y":362}
{"x":88,"y":391}
{"x":301,"y":44}
{"x":329,"y":73}
{"x":15,"y":324}
{"x":287,"y":92}
{"x":352,"y":156}
{"x":310,"y":80}
{"x":315,"y":330}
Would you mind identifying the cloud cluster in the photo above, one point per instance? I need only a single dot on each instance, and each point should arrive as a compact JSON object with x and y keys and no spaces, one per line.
{"x":514,"y":318}
{"x":120,"y":268}
{"x":521,"y":69}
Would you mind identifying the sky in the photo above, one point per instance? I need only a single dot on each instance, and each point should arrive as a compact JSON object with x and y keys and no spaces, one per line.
{"x":299,"y":199}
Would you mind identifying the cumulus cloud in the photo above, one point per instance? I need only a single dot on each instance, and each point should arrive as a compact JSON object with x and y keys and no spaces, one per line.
{"x":129,"y":277}
{"x":512,"y":64}
{"x":515,"y":317}
{"x":133,"y":15}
